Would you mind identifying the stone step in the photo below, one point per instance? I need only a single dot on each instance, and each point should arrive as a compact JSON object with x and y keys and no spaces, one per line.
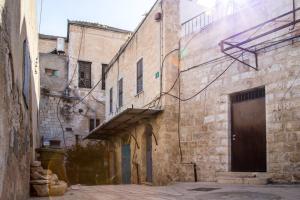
{"x":147,"y":183}
{"x":251,"y":178}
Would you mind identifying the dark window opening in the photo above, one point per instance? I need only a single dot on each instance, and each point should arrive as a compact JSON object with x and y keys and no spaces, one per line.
{"x":104,"y":67}
{"x":69,"y":129}
{"x":92,"y":124}
{"x":111,"y":100}
{"x":139,"y":81}
{"x":84,"y":80}
{"x":120,"y":89}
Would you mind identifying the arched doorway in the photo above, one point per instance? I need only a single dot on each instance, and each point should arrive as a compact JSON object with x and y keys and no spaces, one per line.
{"x":148,"y":135}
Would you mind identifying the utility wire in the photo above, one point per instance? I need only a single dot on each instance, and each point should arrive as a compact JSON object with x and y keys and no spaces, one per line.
{"x":57,"y":106}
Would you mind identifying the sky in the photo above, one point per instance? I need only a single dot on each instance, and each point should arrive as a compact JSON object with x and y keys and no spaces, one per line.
{"x":124,"y":14}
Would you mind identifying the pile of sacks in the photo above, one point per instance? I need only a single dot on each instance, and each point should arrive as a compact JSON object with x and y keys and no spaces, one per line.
{"x":45,"y":183}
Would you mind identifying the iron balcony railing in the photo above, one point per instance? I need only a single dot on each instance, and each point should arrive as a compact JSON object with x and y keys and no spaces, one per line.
{"x":196,"y":23}
{"x":206,"y":18}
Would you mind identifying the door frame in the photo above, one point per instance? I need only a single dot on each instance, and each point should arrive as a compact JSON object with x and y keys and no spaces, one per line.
{"x":230,"y":128}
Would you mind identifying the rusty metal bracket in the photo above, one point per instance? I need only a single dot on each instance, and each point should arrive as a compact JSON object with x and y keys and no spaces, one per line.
{"x":237,"y":59}
{"x":260,"y":41}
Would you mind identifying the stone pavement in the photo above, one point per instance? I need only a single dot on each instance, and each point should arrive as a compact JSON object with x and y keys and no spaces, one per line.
{"x":182,"y":191}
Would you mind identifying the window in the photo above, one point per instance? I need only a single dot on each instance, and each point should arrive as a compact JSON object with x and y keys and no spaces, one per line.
{"x":92,"y":124}
{"x":26,"y":73}
{"x":52,"y":72}
{"x":110,"y":100}
{"x":104,"y":67}
{"x":139,"y":81}
{"x":120,"y":91}
{"x":84,"y":74}
{"x":68,"y":129}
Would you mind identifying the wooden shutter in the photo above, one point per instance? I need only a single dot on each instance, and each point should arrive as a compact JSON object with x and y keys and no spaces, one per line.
{"x":104,"y":67}
{"x":92,"y":124}
{"x":139,"y":87}
{"x":120,"y":85}
{"x":110,"y":100}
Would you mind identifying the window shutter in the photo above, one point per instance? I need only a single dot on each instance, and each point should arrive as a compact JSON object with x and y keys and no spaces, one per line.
{"x":104,"y":67}
{"x":110,"y":100}
{"x":139,"y":76}
{"x":120,"y":92}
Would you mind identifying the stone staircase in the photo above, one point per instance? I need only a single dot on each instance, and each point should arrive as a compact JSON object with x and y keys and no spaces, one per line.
{"x":251,"y":178}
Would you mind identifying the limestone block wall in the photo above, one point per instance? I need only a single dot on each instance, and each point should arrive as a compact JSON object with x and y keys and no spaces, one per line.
{"x":94,"y":45}
{"x":145,"y":44}
{"x":50,"y":126}
{"x":205,"y":120}
{"x":18,"y":123}
{"x":152,"y":41}
{"x":48,"y":43}
{"x":57,"y":82}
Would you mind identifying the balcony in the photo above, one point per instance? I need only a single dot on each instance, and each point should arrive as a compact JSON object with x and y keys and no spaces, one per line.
{"x":220,"y":10}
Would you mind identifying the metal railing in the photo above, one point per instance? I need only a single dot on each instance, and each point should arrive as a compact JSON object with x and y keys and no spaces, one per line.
{"x":196,"y":23}
{"x":206,"y":18}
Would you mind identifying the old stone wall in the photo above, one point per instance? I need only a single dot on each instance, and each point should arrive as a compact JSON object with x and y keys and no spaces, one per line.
{"x":57,"y":64}
{"x":72,"y":117}
{"x":154,"y":41}
{"x":205,"y":120}
{"x":95,"y":45}
{"x":71,"y":121}
{"x":18,"y":121}
{"x":48,"y":43}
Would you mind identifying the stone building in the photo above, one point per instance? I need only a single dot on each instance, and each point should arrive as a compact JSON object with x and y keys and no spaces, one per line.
{"x":19,"y":96}
{"x":211,"y":97}
{"x":70,"y":68}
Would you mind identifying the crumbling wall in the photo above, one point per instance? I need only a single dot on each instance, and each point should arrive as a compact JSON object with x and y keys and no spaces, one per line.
{"x":50,"y":126}
{"x":18,"y":121}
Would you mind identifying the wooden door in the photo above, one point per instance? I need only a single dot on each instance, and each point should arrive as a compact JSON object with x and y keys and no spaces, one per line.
{"x":126,"y":166}
{"x":248,"y":136}
{"x":149,"y":155}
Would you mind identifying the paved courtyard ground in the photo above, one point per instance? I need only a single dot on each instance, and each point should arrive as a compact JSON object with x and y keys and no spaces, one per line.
{"x":182,"y":191}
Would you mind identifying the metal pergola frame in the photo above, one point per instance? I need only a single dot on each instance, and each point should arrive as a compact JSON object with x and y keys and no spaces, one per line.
{"x":230,"y":49}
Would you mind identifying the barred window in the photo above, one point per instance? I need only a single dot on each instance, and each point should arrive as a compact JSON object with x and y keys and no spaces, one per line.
{"x":139,"y":81}
{"x":84,"y":74}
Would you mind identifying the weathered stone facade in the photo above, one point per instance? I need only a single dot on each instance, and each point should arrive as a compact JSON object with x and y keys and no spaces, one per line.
{"x":205,"y":120}
{"x":150,"y":44}
{"x":19,"y":96}
{"x":86,"y":42}
{"x":199,"y":129}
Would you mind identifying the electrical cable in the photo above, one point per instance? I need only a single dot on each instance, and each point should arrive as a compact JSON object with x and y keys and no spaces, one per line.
{"x":59,"y":100}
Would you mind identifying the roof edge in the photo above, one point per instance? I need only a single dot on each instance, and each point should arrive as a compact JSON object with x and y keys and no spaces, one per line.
{"x":122,"y":49}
